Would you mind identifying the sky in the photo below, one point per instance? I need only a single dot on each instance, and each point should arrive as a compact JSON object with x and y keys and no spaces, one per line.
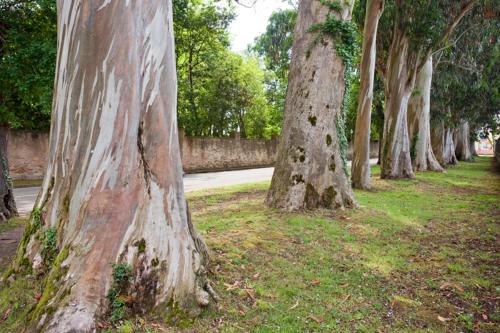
{"x":251,"y":22}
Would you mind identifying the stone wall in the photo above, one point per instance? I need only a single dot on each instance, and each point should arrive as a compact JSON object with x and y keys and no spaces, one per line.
{"x":28,"y":153}
{"x":213,"y":154}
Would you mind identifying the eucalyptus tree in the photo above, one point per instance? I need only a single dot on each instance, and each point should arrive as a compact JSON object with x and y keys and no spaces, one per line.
{"x":465,"y":97}
{"x":419,"y":125}
{"x":360,"y":174}
{"x":310,"y":171}
{"x":417,"y":29}
{"x":112,"y":201}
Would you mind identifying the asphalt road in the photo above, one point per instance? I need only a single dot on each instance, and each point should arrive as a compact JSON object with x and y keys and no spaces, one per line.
{"x":25,"y":197}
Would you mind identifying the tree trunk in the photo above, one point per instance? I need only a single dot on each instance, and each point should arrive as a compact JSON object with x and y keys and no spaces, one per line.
{"x":361,"y":152}
{"x":462,"y":148}
{"x":419,"y":121}
{"x":399,"y":83}
{"x":438,"y":142}
{"x":473,"y":151}
{"x":380,"y":113}
{"x":310,"y":170}
{"x":449,"y":148}
{"x":7,"y":204}
{"x":113,"y":191}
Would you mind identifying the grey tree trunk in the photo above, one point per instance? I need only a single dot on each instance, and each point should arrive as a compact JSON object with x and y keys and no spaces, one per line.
{"x":437,"y":140}
{"x":360,"y":174}
{"x":419,"y":121}
{"x":449,"y":148}
{"x":462,"y":148}
{"x":7,"y":204}
{"x":399,"y":84}
{"x":473,"y":151}
{"x":113,"y":191}
{"x":310,"y":170}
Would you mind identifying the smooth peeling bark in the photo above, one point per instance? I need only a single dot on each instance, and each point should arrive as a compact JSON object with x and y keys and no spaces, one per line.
{"x":7,"y":204}
{"x":419,"y":121}
{"x":360,"y":171}
{"x":437,"y":141}
{"x":462,"y":146}
{"x":449,"y":147}
{"x":113,"y":189}
{"x":310,"y":172}
{"x":399,"y":84}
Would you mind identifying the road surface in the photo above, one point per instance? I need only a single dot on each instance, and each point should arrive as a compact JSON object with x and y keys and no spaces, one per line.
{"x":25,"y":197}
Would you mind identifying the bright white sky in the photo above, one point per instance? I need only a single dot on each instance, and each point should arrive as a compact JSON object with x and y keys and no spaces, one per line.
{"x":251,"y":22}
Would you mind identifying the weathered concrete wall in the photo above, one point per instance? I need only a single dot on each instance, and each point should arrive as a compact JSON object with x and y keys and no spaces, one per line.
{"x":27,"y":153}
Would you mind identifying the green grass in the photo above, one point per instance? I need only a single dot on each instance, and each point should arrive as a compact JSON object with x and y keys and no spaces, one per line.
{"x":418,"y":256}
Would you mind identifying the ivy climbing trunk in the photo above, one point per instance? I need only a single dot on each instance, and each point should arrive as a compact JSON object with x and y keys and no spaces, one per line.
{"x":113,"y":191}
{"x":360,"y":174}
{"x":399,"y":84}
{"x":7,"y":204}
{"x":462,"y":147}
{"x":449,"y":147}
{"x":419,"y":121}
{"x":311,"y":170}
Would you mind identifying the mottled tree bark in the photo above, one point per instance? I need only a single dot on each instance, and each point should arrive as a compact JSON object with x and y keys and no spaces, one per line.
{"x":310,"y":170}
{"x":7,"y":204}
{"x":419,"y":121}
{"x":360,"y":174}
{"x":473,"y":151}
{"x":437,"y":141}
{"x":113,"y":191}
{"x":449,"y":147}
{"x":399,"y":84}
{"x":462,"y":146}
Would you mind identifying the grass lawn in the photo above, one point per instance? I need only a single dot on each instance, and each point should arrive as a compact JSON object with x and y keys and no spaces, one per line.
{"x":419,"y":256}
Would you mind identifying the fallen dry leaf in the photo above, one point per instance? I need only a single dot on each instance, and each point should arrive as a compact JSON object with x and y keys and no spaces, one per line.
{"x":6,"y":314}
{"x":315,"y":282}
{"x":449,"y":285}
{"x":256,"y":275}
{"x":294,"y":306}
{"x":443,"y":319}
{"x":318,"y":320}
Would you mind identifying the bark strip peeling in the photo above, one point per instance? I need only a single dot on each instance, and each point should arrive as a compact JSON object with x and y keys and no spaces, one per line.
{"x":113,"y":188}
{"x":309,"y":171}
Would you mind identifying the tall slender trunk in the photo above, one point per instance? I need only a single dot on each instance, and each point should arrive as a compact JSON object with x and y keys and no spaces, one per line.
{"x":419,"y":121}
{"x":113,"y":190}
{"x":462,"y":147}
{"x":449,"y":148}
{"x":399,"y":84}
{"x":360,"y":174}
{"x":380,"y":113}
{"x":310,"y":170}
{"x":438,"y":142}
{"x":7,"y":204}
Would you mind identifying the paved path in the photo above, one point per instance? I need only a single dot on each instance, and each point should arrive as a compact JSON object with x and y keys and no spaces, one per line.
{"x":25,"y":197}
